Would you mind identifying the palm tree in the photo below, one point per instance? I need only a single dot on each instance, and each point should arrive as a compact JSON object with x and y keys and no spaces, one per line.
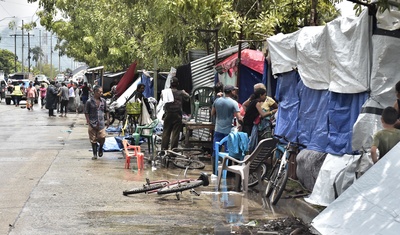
{"x":37,"y":54}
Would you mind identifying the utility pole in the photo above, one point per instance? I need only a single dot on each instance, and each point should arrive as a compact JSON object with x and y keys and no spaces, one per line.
{"x":29,"y":53}
{"x":15,"y":52}
{"x":40,"y":45}
{"x":51,"y":56}
{"x":15,"y":48}
{"x":22,"y":46}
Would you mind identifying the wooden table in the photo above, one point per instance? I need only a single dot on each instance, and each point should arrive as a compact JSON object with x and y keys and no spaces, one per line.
{"x":190,"y":126}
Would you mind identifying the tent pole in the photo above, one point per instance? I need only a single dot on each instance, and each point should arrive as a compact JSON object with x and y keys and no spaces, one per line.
{"x":155,"y":79}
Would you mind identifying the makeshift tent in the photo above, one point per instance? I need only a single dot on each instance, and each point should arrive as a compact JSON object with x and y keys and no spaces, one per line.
{"x":369,"y":206}
{"x":333,"y":83}
{"x":251,"y":71}
{"x":323,"y":81}
{"x":126,"y":80}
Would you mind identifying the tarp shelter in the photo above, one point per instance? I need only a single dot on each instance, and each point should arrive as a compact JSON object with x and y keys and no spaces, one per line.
{"x":109,"y":79}
{"x":126,"y":80}
{"x":251,"y":68}
{"x":324,"y":77}
{"x":334,"y":81}
{"x":95,"y":73}
{"x":370,"y":205}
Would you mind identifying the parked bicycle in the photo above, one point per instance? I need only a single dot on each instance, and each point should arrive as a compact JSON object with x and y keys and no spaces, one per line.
{"x":181,"y":160}
{"x":278,"y":176}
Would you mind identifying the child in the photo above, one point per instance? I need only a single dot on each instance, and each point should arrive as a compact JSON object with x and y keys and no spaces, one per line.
{"x":385,"y":139}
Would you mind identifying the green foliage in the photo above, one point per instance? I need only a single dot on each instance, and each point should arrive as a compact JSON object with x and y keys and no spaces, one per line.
{"x":114,"y":33}
{"x":7,"y":62}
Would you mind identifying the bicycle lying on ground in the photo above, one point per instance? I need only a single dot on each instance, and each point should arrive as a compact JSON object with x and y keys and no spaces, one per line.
{"x":278,"y":176}
{"x":165,"y":186}
{"x":181,"y":160}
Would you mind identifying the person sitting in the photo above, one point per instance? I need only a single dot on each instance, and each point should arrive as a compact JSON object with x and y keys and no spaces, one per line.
{"x":384,"y":140}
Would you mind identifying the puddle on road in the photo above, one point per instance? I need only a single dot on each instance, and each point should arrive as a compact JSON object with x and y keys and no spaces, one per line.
{"x":228,"y":208}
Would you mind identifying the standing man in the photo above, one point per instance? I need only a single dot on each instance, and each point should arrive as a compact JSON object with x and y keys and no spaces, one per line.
{"x":64,"y":98}
{"x":51,"y":98}
{"x":173,"y":116}
{"x":71,"y":95}
{"x":95,"y":108}
{"x":224,"y":108}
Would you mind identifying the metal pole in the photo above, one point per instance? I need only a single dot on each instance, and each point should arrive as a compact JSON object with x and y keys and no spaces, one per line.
{"x":29,"y":53}
{"x":40,"y":45}
{"x":22,"y":61}
{"x":155,"y":87}
{"x":15,"y":53}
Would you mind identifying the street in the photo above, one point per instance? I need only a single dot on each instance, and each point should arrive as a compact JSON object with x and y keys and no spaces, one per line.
{"x":50,"y":185}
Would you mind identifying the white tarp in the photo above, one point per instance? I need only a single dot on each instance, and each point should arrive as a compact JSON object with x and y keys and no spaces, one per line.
{"x":323,"y":193}
{"x":384,"y":76}
{"x":370,"y":205}
{"x":312,"y":53}
{"x":282,"y":49}
{"x":334,"y":57}
{"x":390,"y":18}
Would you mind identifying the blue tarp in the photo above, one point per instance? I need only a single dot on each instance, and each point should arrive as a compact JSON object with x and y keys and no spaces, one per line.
{"x":320,"y":119}
{"x":248,"y":78}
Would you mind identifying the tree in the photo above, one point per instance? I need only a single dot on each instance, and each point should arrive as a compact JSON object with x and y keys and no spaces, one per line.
{"x":37,"y":53}
{"x":114,"y":33}
{"x":7,"y":62}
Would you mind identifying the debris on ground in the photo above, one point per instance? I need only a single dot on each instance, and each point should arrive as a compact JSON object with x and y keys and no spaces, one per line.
{"x":281,"y":226}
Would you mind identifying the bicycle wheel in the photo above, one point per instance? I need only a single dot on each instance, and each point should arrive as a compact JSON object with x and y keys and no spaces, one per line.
{"x":180,"y":187}
{"x":144,"y":189}
{"x":131,"y":124}
{"x":253,"y":179}
{"x":280,"y":184}
{"x":190,"y":163}
{"x":272,"y":178}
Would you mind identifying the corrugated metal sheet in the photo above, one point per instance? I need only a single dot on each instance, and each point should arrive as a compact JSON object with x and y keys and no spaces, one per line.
{"x":203,"y":75}
{"x":196,"y":54}
{"x":203,"y":68}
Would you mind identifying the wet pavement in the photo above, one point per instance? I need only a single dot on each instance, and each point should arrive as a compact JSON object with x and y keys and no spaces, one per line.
{"x":50,"y":185}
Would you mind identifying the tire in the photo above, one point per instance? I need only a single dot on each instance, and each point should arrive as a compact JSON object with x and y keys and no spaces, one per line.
{"x":253,"y":179}
{"x":180,"y":187}
{"x":279,"y":186}
{"x":272,"y":178}
{"x":144,"y":189}
{"x":183,"y":163}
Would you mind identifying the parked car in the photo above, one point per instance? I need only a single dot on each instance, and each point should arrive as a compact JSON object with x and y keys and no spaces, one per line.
{"x":60,"y":77}
{"x":42,"y":78}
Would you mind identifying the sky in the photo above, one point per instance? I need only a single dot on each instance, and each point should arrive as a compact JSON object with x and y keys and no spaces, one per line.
{"x":22,"y":10}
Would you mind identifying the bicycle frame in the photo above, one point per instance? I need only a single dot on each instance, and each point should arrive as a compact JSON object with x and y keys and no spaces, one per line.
{"x":279,"y":174}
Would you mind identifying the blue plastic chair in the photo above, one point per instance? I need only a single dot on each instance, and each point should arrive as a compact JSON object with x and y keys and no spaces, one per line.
{"x":221,"y":155}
